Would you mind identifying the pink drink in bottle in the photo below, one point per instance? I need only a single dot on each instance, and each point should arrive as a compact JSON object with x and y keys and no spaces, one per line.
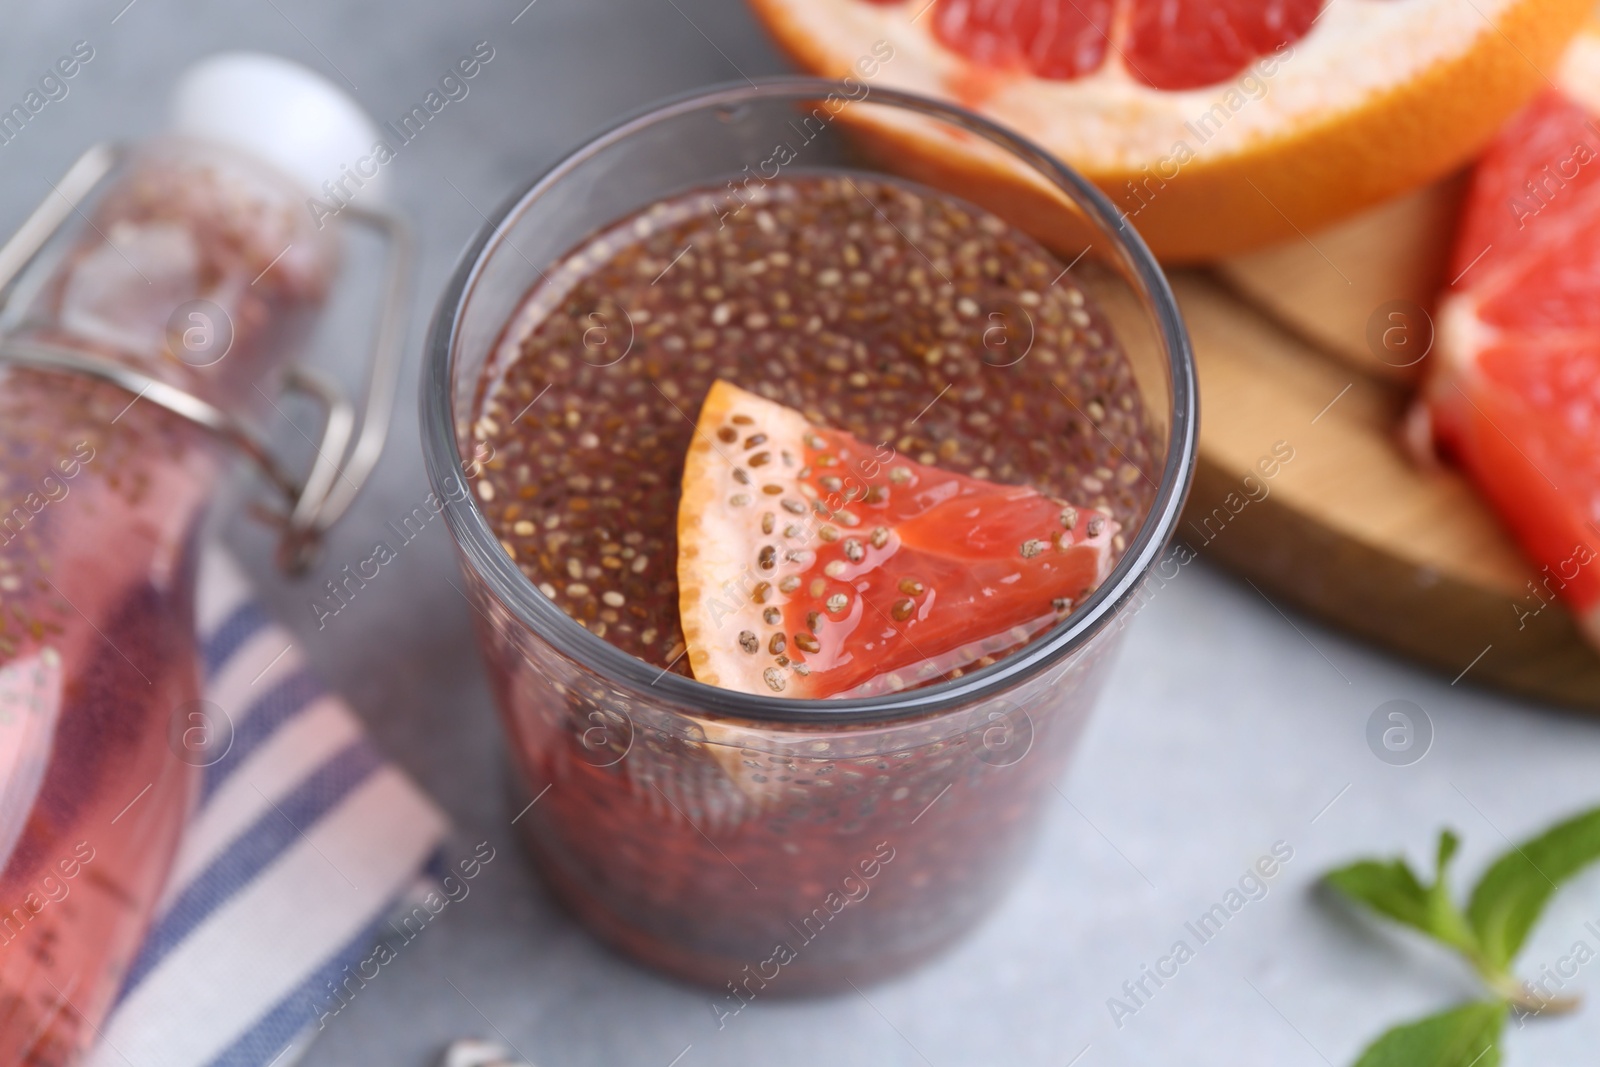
{"x":201,"y":268}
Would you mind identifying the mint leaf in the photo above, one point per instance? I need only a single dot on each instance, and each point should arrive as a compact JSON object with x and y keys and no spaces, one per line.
{"x":1448,"y":843}
{"x":1512,"y":893}
{"x":1392,"y":888}
{"x":1388,"y":888}
{"x":1468,"y":1036}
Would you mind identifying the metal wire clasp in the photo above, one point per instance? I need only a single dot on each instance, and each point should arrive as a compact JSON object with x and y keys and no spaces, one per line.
{"x":350,"y":442}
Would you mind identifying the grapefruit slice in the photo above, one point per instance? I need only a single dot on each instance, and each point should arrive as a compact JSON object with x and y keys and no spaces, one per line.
{"x":1215,"y":126}
{"x":812,"y":564}
{"x":1514,"y":396}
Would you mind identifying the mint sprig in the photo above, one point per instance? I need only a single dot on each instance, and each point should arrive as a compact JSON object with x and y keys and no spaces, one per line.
{"x":1500,"y":912}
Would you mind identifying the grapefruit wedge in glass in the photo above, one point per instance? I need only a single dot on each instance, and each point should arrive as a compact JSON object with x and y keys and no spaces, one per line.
{"x":812,"y":564}
{"x":1514,"y":394}
{"x":1214,"y":125}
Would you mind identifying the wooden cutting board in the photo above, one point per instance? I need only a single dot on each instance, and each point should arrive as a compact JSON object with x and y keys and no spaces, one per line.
{"x":1349,"y":528}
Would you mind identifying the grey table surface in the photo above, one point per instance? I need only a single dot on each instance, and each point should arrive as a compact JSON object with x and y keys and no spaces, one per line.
{"x":1227,"y":727}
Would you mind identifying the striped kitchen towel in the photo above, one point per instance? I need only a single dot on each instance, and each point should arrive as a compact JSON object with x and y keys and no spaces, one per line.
{"x":302,"y":844}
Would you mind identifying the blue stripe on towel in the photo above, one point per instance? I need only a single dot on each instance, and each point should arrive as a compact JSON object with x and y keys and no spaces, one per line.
{"x":282,"y":702}
{"x":290,"y":1017}
{"x":243,"y":623}
{"x":274,"y":833}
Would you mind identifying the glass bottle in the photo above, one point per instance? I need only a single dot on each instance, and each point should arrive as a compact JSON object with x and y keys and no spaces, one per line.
{"x":201,"y":269}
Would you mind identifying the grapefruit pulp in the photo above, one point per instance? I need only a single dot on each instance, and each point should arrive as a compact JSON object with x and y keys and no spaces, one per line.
{"x":812,"y":564}
{"x":1514,"y":394}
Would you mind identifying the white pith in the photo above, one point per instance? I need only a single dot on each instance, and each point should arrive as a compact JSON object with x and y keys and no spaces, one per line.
{"x":713,"y":617}
{"x":1579,"y":74}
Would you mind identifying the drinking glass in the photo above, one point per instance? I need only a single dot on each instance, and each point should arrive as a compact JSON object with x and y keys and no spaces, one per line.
{"x":758,"y":844}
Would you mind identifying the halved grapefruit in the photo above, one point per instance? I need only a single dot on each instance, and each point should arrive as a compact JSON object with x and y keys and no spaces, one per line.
{"x":1514,"y":394}
{"x":1214,"y":125}
{"x":812,"y":564}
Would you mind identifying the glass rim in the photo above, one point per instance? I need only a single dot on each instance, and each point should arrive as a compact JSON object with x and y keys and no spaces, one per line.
{"x":476,"y":541}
